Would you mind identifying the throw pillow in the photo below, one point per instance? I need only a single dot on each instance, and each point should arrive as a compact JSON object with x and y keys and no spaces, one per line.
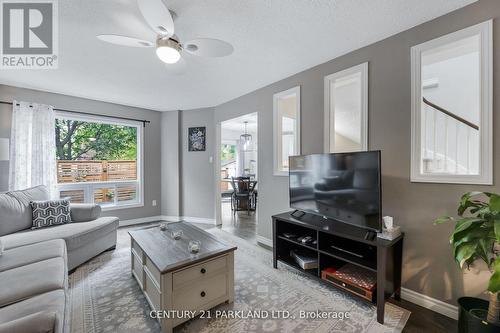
{"x":50,"y":212}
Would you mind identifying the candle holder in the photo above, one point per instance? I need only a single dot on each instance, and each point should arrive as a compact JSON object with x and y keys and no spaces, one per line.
{"x":176,"y":234}
{"x":194,"y":246}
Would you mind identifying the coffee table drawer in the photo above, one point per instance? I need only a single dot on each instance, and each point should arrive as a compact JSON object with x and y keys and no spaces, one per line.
{"x":155,"y":273}
{"x":138,"y":251}
{"x":199,"y":271}
{"x":151,"y":291}
{"x":137,"y":269}
{"x":200,"y":293}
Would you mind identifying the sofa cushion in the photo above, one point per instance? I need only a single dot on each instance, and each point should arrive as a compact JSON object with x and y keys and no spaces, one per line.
{"x":84,"y":212}
{"x":30,"y":280}
{"x":30,"y":254}
{"x":16,"y":210}
{"x":52,"y":302}
{"x":75,"y":234}
{"x":50,"y":212}
{"x":40,"y":322}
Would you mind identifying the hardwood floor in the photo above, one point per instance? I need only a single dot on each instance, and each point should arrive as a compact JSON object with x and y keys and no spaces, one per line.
{"x":240,"y":224}
{"x":425,"y":320}
{"x":421,"y":319}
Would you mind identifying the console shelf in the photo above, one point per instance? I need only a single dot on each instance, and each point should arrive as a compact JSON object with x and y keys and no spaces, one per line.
{"x":298,"y":243}
{"x":338,"y":244}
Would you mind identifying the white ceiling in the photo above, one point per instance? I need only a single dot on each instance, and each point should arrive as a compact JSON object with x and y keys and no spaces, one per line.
{"x":238,"y":124}
{"x":273,"y":39}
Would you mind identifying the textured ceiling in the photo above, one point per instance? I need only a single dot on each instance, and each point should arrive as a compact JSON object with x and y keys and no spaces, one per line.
{"x":273,"y":39}
{"x":238,"y":124}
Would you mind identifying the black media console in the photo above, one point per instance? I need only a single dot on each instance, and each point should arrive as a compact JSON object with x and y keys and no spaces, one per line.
{"x":338,"y":244}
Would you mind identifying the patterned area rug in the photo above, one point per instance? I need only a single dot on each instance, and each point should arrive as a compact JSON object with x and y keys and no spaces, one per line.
{"x":104,"y":297}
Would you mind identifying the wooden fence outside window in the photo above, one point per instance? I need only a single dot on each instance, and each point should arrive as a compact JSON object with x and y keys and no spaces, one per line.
{"x":98,"y":171}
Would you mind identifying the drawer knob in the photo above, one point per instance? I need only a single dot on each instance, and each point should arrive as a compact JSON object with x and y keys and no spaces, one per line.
{"x":203,"y":294}
{"x":203,"y":271}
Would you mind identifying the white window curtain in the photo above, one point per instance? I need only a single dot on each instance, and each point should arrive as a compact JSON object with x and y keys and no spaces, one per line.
{"x":33,"y":152}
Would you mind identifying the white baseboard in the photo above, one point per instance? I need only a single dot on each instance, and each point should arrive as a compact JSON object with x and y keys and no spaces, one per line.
{"x":265,"y":241}
{"x":430,"y":303}
{"x":141,"y":220}
{"x":203,"y":220}
{"x":167,"y":219}
{"x":171,"y":218}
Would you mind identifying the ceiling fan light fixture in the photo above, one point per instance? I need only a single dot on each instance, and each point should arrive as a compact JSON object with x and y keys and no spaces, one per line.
{"x":168,"y":50}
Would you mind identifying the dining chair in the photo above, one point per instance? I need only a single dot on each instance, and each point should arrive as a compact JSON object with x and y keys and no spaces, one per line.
{"x":241,"y":191}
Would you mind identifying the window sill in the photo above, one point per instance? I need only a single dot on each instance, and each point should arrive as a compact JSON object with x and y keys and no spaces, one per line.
{"x":119,"y":207}
{"x":452,"y":179}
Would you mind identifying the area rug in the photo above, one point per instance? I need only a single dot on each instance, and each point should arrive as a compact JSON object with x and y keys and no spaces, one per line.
{"x":104,"y":297}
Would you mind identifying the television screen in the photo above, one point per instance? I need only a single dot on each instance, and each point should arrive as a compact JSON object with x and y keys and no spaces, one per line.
{"x":342,"y":186}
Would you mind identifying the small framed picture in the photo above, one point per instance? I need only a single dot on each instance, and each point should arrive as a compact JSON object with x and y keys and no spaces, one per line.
{"x":197,"y":138}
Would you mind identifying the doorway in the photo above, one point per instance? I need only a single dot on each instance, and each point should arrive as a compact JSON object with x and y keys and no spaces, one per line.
{"x":237,"y":176}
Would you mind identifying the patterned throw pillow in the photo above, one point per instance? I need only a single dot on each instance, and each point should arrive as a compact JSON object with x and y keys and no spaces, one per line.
{"x":50,"y":212}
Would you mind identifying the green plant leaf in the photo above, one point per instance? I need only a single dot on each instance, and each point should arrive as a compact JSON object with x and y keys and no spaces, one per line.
{"x":464,"y":252}
{"x":443,"y":219}
{"x":475,"y":233}
{"x":481,"y":210}
{"x":495,"y":203}
{"x":466,"y":202}
{"x":466,"y":223}
{"x":496,"y":224}
{"x":494,"y":284}
{"x":484,"y":249}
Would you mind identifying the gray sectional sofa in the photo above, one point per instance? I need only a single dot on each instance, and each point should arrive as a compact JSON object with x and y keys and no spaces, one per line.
{"x":35,"y":263}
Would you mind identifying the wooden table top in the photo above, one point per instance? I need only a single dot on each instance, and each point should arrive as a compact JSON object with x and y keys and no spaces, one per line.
{"x":169,"y":255}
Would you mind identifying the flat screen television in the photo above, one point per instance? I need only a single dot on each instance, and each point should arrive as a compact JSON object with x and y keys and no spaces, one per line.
{"x":342,"y":186}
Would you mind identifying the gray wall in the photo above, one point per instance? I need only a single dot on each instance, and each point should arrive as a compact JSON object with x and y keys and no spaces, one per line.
{"x":428,"y":264}
{"x":152,"y":139}
{"x":197,"y":171}
{"x":170,"y":176}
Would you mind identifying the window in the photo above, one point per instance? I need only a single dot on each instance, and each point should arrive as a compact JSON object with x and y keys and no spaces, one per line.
{"x":346,"y":110}
{"x":99,"y":160}
{"x":286,"y":113}
{"x":228,"y":161}
{"x":452,"y":108}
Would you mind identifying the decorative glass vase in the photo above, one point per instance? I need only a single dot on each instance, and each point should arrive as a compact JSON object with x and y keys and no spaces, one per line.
{"x":176,"y":234}
{"x":194,"y":246}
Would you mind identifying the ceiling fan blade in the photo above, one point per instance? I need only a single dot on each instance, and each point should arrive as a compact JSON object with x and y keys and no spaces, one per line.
{"x":157,"y":16}
{"x":125,"y":41}
{"x":179,"y":68}
{"x":208,"y":47}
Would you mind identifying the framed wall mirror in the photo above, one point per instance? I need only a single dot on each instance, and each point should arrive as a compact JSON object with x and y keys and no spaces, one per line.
{"x":452,"y":108}
{"x":346,"y":110}
{"x":286,"y":121}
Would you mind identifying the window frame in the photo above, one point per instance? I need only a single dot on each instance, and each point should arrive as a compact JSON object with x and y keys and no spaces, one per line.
{"x":485,"y":177}
{"x":90,"y":187}
{"x":277,"y":131}
{"x":329,"y":121}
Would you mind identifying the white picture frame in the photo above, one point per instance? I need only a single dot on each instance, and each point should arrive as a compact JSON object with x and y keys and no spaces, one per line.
{"x":485,"y":177}
{"x":329,"y":106}
{"x":279,"y":169}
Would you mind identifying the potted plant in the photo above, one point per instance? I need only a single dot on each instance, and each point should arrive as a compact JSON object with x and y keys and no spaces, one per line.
{"x":476,"y":237}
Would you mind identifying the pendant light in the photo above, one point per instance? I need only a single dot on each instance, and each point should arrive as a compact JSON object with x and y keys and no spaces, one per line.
{"x":246,"y":139}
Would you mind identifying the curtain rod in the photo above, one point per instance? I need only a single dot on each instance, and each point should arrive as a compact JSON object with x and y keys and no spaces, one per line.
{"x":144,"y":122}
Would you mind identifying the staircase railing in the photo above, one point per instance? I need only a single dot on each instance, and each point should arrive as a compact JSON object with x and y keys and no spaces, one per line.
{"x":453,"y":157}
{"x":450,"y":114}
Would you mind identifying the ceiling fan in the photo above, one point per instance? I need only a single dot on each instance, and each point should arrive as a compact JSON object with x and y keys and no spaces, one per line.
{"x":168,"y":47}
